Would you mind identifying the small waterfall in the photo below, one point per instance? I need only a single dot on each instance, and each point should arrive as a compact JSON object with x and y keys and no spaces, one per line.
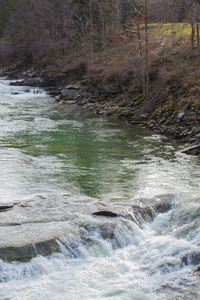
{"x":31,"y":91}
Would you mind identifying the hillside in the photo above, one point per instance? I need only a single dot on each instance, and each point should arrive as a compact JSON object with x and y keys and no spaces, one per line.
{"x":112,"y":82}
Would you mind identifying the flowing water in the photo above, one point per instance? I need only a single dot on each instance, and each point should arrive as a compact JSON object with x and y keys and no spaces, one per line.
{"x":59,"y":164}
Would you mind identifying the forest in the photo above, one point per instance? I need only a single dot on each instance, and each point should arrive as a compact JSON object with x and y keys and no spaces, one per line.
{"x":139,"y":53}
{"x":48,"y":29}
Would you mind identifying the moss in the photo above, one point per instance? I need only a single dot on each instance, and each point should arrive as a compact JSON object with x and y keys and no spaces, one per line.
{"x":85,"y":81}
{"x":131,"y":91}
{"x":141,"y":97}
{"x":110,"y":63}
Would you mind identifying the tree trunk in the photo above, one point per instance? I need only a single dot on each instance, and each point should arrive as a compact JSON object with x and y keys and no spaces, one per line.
{"x":198,"y":35}
{"x":146,"y":53}
{"x":91,"y":33}
{"x":193,"y":30}
{"x":140,"y":50}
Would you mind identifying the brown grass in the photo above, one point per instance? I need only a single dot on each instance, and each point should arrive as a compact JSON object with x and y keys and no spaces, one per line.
{"x":174,"y":71}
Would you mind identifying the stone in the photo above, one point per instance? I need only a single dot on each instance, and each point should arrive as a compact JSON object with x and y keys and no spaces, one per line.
{"x":106,"y":213}
{"x":70,"y":102}
{"x":64,"y":92}
{"x":5,"y":206}
{"x":165,"y":138}
{"x":192,"y":258}
{"x":69,"y":94}
{"x":73,"y":87}
{"x":163,"y":206}
{"x":180,"y":115}
{"x":57,"y":98}
{"x":143,"y":214}
{"x":27,"y":252}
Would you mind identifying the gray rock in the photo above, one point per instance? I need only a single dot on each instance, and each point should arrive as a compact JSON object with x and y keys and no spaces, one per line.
{"x":163,"y":206}
{"x":73,"y":87}
{"x":58,"y":97}
{"x":165,"y":138}
{"x":180,"y":115}
{"x":70,"y":94}
{"x":192,"y":258}
{"x":64,"y":92}
{"x":5,"y":206}
{"x":27,"y":252}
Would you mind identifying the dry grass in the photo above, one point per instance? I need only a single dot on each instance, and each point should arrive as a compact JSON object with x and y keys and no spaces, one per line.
{"x":174,"y":71}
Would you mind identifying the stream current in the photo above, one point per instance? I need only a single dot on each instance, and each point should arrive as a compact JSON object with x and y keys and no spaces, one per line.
{"x":58,"y":165}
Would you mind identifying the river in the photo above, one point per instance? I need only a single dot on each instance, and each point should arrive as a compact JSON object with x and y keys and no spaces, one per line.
{"x":59,"y":164}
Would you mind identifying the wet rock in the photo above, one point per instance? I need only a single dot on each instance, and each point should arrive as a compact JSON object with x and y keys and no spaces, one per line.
{"x":5,"y":206}
{"x":143,"y":214}
{"x":136,"y":213}
{"x":58,"y":97}
{"x":107,"y":231}
{"x":165,"y":138}
{"x":106,"y":213}
{"x":47,"y":248}
{"x":163,"y":206}
{"x":27,"y":252}
{"x":70,"y":102}
{"x":17,"y":83}
{"x":192,"y":258}
{"x":35,"y":82}
{"x":166,"y":268}
{"x":13,"y":224}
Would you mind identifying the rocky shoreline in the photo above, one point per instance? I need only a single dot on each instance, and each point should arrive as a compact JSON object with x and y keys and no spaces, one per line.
{"x":73,"y":88}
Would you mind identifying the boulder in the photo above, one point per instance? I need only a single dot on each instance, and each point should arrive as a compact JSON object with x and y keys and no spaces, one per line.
{"x":27,"y":252}
{"x":70,"y":94}
{"x":143,"y":214}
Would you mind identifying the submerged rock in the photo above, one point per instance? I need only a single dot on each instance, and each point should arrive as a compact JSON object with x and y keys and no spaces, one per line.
{"x":143,"y":214}
{"x":192,"y":258}
{"x":163,"y":206}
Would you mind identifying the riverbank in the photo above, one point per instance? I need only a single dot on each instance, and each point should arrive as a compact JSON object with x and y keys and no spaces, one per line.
{"x":172,"y":119}
{"x":112,"y":84}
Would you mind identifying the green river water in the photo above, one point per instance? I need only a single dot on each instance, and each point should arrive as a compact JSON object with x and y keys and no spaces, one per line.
{"x":58,"y":163}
